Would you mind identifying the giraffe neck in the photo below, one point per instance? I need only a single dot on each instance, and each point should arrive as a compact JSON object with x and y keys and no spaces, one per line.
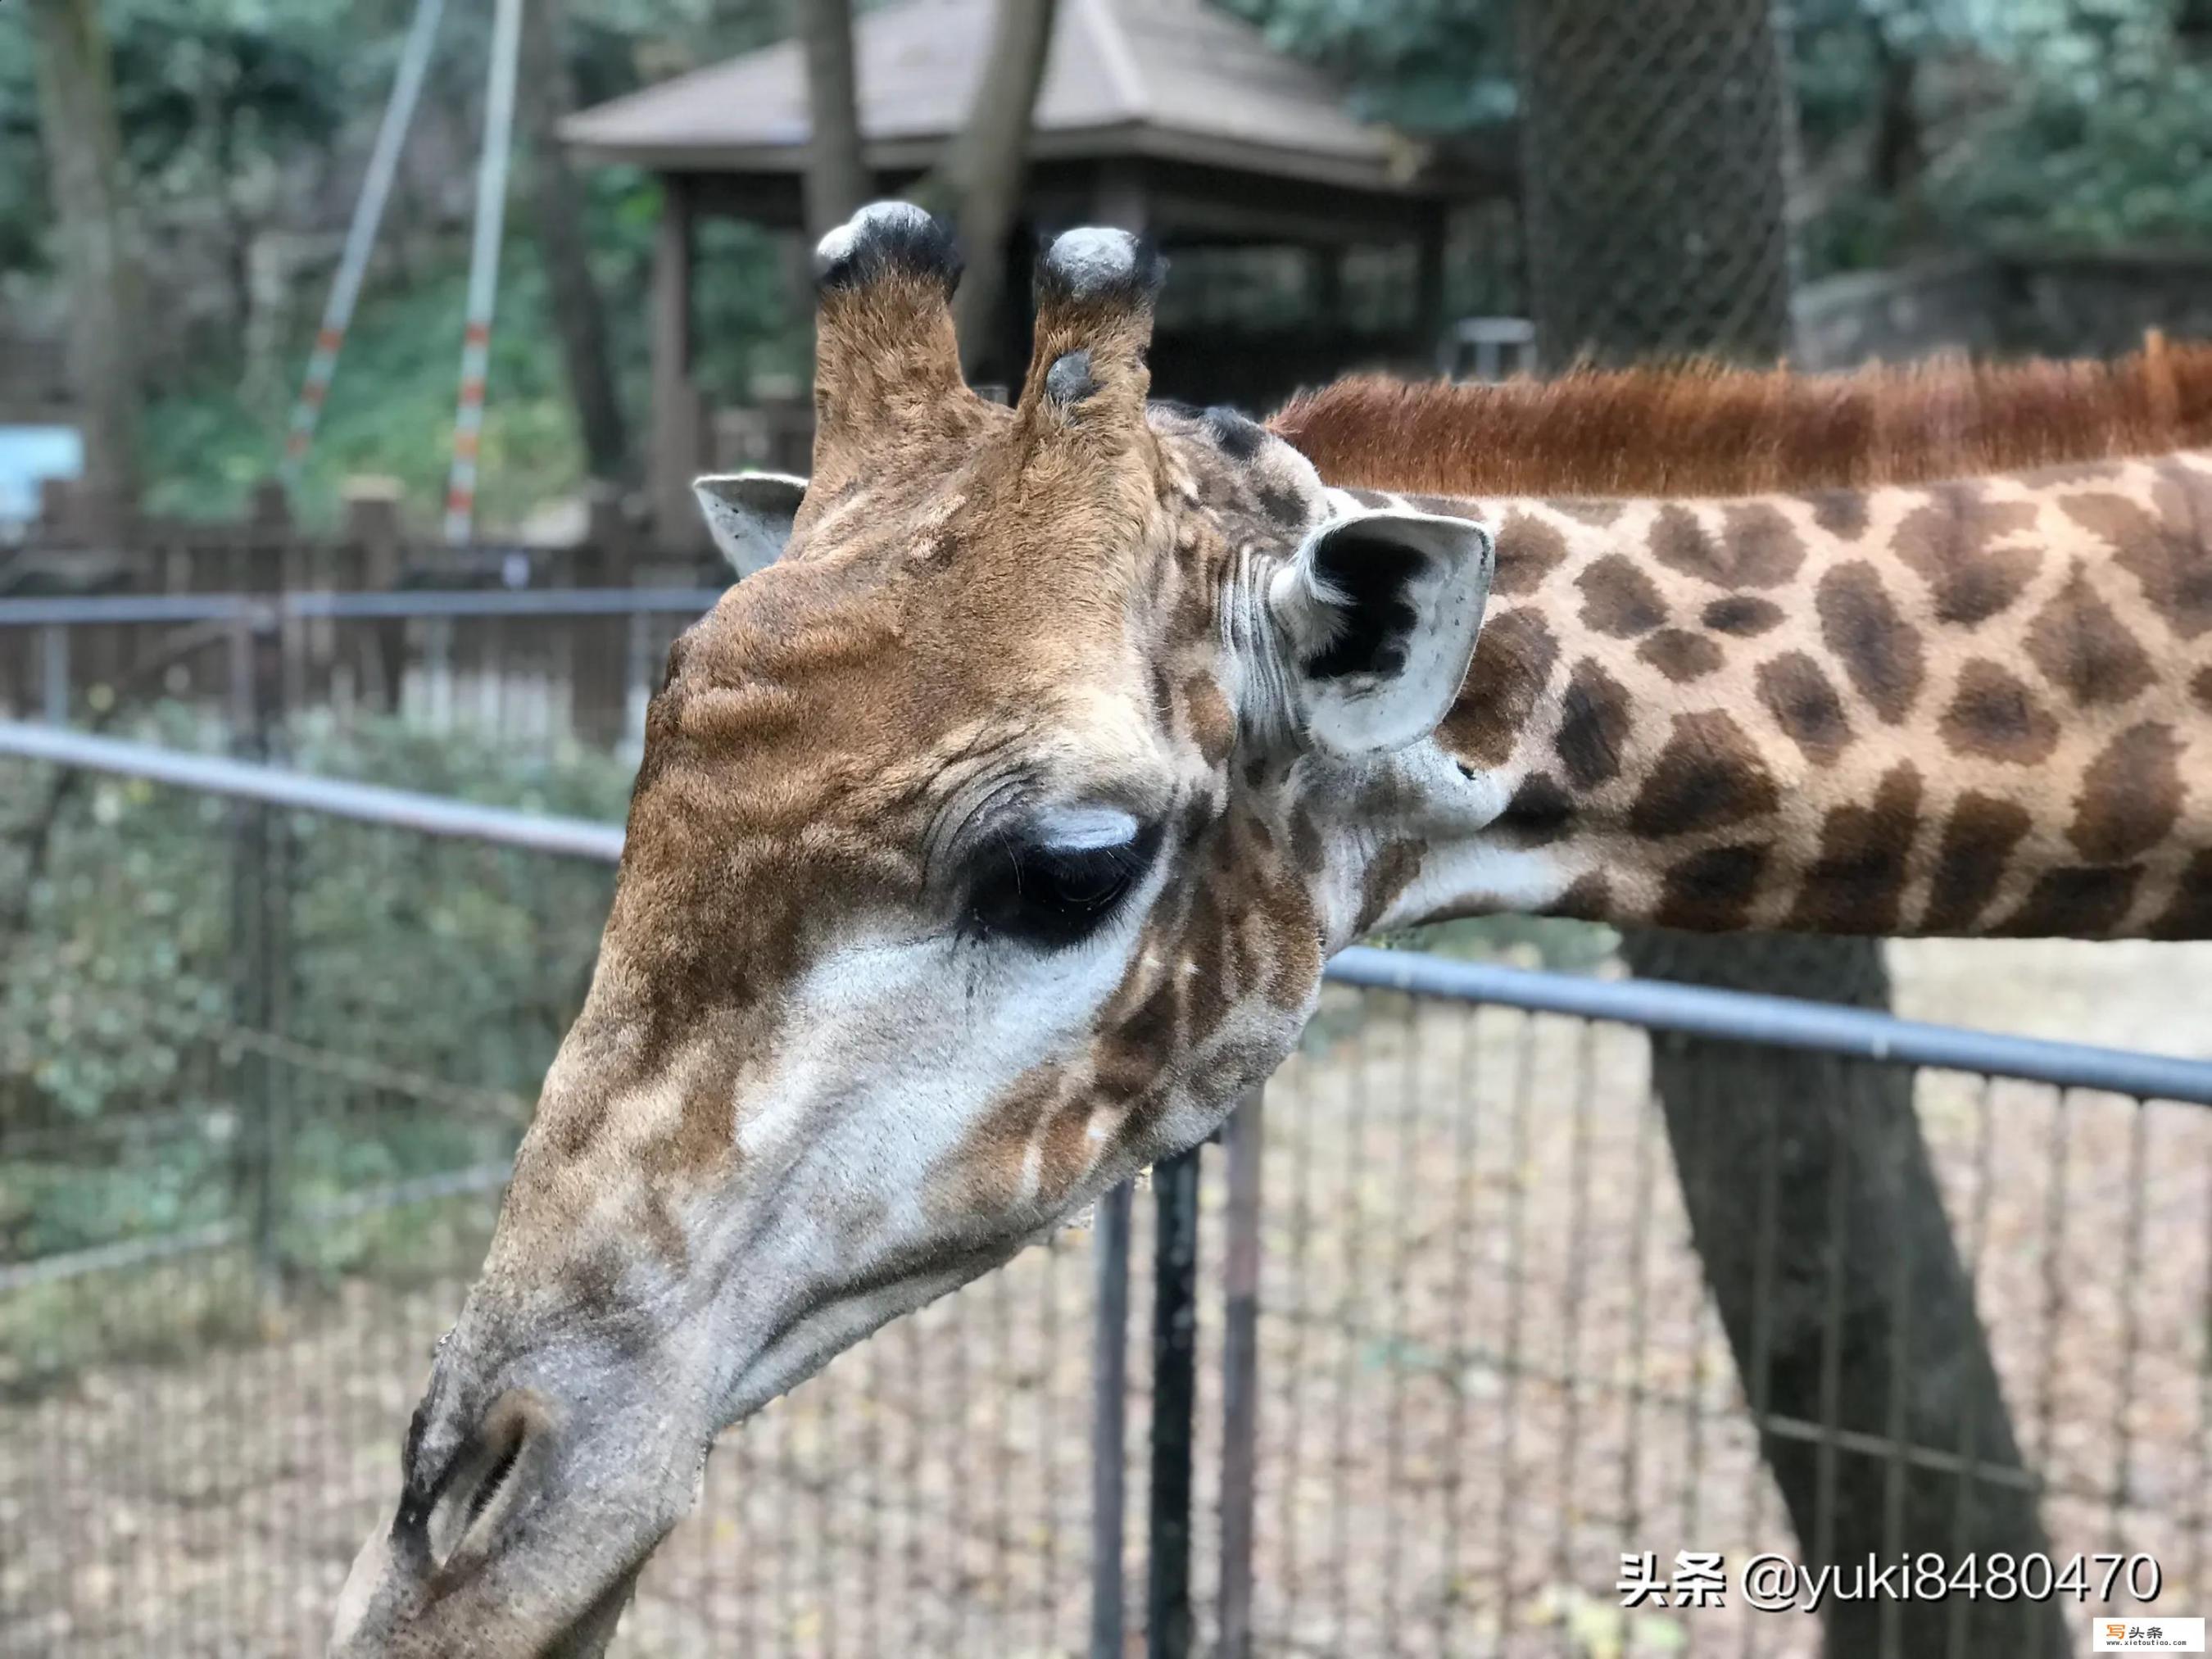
{"x":1981,"y":708}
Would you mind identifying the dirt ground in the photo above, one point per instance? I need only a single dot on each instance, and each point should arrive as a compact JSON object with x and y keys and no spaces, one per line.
{"x":1488,"y":1370}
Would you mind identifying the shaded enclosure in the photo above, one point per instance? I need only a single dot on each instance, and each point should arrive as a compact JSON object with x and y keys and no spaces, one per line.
{"x":1486,"y":1365}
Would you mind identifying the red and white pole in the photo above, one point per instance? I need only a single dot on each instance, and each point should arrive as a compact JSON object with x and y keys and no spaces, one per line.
{"x":361,"y":234}
{"x":483,"y":269}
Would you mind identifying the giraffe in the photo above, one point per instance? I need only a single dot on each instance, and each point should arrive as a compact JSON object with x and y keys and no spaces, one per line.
{"x":992,"y":831}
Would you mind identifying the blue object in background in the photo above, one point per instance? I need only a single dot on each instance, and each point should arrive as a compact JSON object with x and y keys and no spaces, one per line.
{"x":30,"y":454}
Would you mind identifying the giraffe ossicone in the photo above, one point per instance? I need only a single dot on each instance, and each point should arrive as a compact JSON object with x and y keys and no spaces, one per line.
{"x":989,"y":838}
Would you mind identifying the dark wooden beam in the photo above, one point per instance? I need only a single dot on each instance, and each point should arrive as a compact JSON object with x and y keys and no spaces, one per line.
{"x":677,"y":450}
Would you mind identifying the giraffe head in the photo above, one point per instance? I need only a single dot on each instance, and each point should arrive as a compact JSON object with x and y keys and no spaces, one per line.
{"x":980,"y":855}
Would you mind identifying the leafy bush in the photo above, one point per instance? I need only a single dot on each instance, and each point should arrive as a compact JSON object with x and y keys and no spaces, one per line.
{"x":453,"y":962}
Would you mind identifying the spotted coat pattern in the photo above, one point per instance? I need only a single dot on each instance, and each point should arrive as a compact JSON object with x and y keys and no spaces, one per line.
{"x":1971,"y":707}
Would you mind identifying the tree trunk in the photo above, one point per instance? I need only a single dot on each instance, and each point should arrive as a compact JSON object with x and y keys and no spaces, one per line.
{"x":577,"y":315}
{"x":83,"y":146}
{"x":1655,"y":134}
{"x":837,"y":181}
{"x":983,"y":173}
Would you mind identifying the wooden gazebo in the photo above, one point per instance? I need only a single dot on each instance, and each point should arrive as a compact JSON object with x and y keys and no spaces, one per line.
{"x":1164,"y":116}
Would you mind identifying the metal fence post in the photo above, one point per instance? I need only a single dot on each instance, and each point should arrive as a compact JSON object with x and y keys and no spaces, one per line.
{"x":1110,"y":1380}
{"x":260,"y":885}
{"x":1175,"y":1390}
{"x":54,"y":672}
{"x":1240,"y":1372}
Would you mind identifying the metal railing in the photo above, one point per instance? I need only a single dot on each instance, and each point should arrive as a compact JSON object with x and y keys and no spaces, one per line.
{"x":1337,"y":1325}
{"x":381,"y":643}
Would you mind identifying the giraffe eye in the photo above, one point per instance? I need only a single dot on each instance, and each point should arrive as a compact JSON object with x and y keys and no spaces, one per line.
{"x":1055,"y":896}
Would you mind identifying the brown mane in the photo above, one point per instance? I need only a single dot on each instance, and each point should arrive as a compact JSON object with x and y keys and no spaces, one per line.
{"x":1706,"y":430}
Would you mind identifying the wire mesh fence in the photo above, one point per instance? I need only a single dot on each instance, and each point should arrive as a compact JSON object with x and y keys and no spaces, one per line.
{"x":1487,"y":1367}
{"x":539,"y":670}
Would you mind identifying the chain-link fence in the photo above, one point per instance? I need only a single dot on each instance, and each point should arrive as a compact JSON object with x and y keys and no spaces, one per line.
{"x":538,"y":670}
{"x":1479,"y":1367}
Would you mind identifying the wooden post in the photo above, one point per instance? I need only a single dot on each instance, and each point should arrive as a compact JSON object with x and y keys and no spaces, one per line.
{"x":1429,"y":289}
{"x":373,"y":525}
{"x":675,"y":455}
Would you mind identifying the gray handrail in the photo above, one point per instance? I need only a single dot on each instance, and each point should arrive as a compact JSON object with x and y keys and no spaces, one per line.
{"x":1775,"y":1022}
{"x":1696,"y":1011}
{"x":279,"y":786}
{"x":395,"y":604}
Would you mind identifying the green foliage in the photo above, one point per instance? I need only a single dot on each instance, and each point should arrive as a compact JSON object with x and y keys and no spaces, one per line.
{"x":1429,"y":66}
{"x":390,"y":408}
{"x":2105,"y":142}
{"x":455,"y":962}
{"x":1947,"y":124}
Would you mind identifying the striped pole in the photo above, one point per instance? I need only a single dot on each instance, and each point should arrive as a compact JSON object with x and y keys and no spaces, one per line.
{"x":361,"y":235}
{"x":483,"y":269}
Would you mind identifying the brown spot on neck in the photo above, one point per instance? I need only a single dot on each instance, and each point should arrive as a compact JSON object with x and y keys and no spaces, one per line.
{"x":1949,"y":540}
{"x":1529,"y":550}
{"x":2188,"y":914}
{"x":1712,"y":891}
{"x":1708,"y":776}
{"x":1856,"y":883}
{"x":1588,"y":898}
{"x":2075,"y":902}
{"x":1513,"y":660}
{"x":1994,"y":714}
{"x":2131,"y":797}
{"x":1878,"y":650}
{"x":1680,"y":655}
{"x":2168,"y":552}
{"x":1796,"y":691}
{"x":1539,"y":811}
{"x":2083,"y":650}
{"x":1745,"y":616}
{"x":1756,"y":546}
{"x":1593,"y":725}
{"x":1618,"y":599}
{"x":1841,"y":513}
{"x":1979,"y":840}
{"x":1390,"y":873}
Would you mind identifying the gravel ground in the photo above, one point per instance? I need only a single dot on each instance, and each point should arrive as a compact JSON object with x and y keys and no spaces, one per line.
{"x":1488,"y":1370}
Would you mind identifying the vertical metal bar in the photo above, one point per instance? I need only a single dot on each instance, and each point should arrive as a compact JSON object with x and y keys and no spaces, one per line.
{"x":1175,"y":1390}
{"x":1242,"y":1144}
{"x":1110,"y":1380}
{"x":637,"y":678}
{"x":259,"y":878}
{"x":54,"y":672}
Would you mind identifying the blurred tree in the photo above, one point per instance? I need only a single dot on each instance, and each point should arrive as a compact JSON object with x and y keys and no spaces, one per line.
{"x":578,"y":315}
{"x":982,"y":171}
{"x":977,"y":182}
{"x":1946,"y":123}
{"x":83,"y":146}
{"x":1425,"y":65}
{"x":218,"y":98}
{"x":1655,"y":146}
{"x":837,"y":182}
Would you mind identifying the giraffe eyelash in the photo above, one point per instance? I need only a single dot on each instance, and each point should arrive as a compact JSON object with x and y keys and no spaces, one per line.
{"x":1053,"y":895}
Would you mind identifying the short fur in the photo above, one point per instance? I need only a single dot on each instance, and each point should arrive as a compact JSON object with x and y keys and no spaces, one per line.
{"x":1703,"y":430}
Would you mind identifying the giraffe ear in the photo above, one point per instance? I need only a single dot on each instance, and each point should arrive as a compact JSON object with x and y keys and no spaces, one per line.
{"x":1376,"y":617}
{"x":750,"y":515}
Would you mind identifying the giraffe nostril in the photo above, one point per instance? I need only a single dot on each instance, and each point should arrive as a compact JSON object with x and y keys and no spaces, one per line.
{"x":491,"y":1482}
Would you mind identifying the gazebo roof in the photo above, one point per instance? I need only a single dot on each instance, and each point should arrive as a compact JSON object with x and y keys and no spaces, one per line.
{"x":1176,"y":80}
